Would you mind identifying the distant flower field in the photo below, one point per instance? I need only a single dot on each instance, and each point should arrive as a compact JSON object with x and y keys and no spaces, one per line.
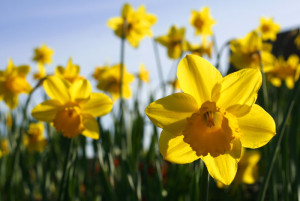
{"x":212,"y":136}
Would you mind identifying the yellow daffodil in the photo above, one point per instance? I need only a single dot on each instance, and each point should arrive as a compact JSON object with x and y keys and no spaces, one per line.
{"x":174,"y":41}
{"x":70,"y":73}
{"x":297,"y":41}
{"x":109,"y":81}
{"x":99,"y":71}
{"x":284,"y":70}
{"x":34,"y":140}
{"x":201,"y":50}
{"x":175,"y":84}
{"x":73,"y":107}
{"x":135,"y":24}
{"x":268,"y":29}
{"x":4,"y":147}
{"x":12,"y":83}
{"x":248,"y":170}
{"x":143,"y":74}
{"x":202,"y":21}
{"x":213,"y":119}
{"x":43,"y":55}
{"x":245,"y":52}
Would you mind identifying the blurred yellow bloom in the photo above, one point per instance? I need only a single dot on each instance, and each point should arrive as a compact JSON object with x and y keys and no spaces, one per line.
{"x":43,"y":55}
{"x":268,"y":29}
{"x":4,"y":147}
{"x":34,"y":140}
{"x":213,"y":119}
{"x":12,"y":83}
{"x":9,"y":120}
{"x":41,"y":72}
{"x":284,"y":70}
{"x":297,"y":40}
{"x":175,"y":84}
{"x":248,"y":170}
{"x":174,"y":41}
{"x":109,"y":81}
{"x":143,"y":74}
{"x":202,"y":21}
{"x":73,"y":107}
{"x":245,"y":52}
{"x":70,"y":73}
{"x":99,"y":71}
{"x":201,"y":50}
{"x":135,"y":24}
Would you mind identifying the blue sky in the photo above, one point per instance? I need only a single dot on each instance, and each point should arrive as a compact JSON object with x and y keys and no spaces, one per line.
{"x":78,"y":28}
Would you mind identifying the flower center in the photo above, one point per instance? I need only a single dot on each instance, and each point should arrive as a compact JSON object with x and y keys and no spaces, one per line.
{"x":69,"y":121}
{"x":16,"y":84}
{"x":199,"y":23}
{"x":211,"y":130}
{"x":265,"y":28}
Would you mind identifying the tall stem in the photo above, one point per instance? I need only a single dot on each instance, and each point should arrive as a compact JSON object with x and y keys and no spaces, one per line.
{"x":204,"y":184}
{"x":62,"y":181}
{"x":281,"y":130}
{"x":159,"y":67}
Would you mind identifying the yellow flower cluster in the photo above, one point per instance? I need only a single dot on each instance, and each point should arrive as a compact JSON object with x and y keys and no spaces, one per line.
{"x":132,"y":25}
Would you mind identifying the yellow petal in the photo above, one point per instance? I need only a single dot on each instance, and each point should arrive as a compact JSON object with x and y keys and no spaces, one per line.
{"x":80,"y":90}
{"x":222,"y":168}
{"x":170,"y":113}
{"x":257,"y":127}
{"x":239,"y":88}
{"x":197,"y":77}
{"x":289,"y":81}
{"x":23,"y":70}
{"x":11,"y":100}
{"x":114,"y":23}
{"x":175,"y":150}
{"x":91,"y":127}
{"x":46,"y":111}
{"x":98,"y":105}
{"x":56,"y":89}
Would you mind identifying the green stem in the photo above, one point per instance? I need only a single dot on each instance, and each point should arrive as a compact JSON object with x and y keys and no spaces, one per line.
{"x":61,"y":187}
{"x":281,"y":130}
{"x":204,"y":184}
{"x":220,"y":53}
{"x":159,"y":68}
{"x":20,"y":139}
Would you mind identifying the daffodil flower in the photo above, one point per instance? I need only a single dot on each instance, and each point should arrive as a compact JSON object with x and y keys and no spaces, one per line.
{"x":289,"y":71}
{"x":143,"y":74}
{"x":268,"y":29}
{"x":109,"y":81}
{"x":135,"y":24}
{"x":35,"y":140}
{"x":174,"y":41}
{"x":13,"y":82}
{"x":202,"y":21}
{"x":70,"y":73}
{"x":43,"y":55}
{"x":72,"y":108}
{"x":245,"y":52}
{"x":213,"y":119}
